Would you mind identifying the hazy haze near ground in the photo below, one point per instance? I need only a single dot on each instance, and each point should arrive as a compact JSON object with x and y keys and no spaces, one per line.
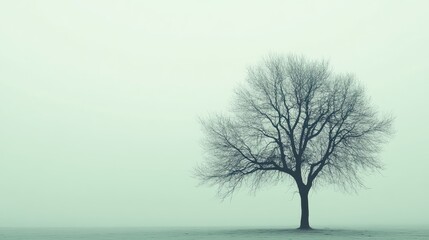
{"x":99,"y":107}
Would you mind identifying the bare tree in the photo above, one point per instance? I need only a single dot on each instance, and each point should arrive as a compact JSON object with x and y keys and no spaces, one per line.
{"x":294,"y":118}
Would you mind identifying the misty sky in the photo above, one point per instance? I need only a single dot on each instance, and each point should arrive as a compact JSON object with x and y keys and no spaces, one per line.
{"x":100,"y":100}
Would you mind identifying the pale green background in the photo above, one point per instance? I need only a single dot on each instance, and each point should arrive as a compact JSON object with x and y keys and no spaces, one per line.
{"x":99,"y":107}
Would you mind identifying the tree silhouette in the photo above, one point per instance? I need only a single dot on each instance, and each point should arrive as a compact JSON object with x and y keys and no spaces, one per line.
{"x":294,"y":118}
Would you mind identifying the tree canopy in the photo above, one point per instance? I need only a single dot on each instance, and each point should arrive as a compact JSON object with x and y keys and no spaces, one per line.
{"x":294,"y":118}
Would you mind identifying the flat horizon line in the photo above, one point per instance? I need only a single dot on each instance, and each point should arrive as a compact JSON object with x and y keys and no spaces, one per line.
{"x":237,"y":227}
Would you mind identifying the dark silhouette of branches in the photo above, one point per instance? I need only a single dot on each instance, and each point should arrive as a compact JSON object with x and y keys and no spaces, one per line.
{"x":294,"y":118}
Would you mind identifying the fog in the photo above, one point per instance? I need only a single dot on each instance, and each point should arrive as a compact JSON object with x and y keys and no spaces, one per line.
{"x":100,"y":100}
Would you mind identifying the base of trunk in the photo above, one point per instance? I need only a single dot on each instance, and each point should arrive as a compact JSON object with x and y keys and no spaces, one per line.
{"x":304,"y":228}
{"x":305,"y":223}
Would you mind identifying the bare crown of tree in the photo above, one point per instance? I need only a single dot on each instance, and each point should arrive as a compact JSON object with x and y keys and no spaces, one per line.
{"x":295,"y":117}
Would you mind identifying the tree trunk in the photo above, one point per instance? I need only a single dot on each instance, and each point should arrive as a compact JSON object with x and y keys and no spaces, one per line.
{"x":305,"y":225}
